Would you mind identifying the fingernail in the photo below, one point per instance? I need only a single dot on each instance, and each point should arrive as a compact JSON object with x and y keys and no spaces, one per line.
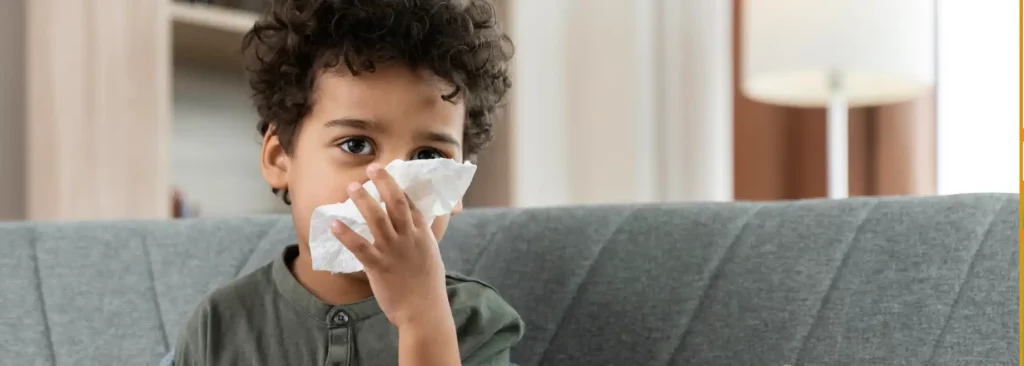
{"x":352,"y":187}
{"x":336,"y":226}
{"x":372,"y":170}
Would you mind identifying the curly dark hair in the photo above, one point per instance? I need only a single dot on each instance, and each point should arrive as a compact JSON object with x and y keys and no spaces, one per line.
{"x":458,"y":40}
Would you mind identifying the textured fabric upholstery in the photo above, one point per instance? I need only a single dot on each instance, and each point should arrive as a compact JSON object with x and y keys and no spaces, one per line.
{"x":870,"y":281}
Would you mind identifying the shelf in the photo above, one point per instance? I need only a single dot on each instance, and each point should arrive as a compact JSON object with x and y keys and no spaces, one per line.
{"x":210,"y":35}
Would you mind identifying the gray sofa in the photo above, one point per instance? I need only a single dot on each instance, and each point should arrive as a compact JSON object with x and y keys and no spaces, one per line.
{"x":891,"y":281}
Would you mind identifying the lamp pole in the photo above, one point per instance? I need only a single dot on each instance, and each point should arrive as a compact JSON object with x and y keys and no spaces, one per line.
{"x":838,"y":139}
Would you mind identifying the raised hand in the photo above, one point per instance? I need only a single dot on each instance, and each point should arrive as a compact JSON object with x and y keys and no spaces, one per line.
{"x":403,"y":264}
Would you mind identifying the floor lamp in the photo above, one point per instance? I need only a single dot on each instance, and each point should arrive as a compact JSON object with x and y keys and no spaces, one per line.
{"x":837,"y":54}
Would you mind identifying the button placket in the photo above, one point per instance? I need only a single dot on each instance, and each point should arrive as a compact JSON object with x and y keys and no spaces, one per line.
{"x":339,"y":340}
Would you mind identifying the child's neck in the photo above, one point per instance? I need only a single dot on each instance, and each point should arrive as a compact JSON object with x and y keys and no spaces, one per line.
{"x":334,"y":289}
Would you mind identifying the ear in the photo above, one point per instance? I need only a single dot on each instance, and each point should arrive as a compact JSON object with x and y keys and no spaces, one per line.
{"x":274,"y":161}
{"x":458,"y":208}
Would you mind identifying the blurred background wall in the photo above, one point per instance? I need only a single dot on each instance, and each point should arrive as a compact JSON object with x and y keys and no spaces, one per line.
{"x":127,"y":109}
{"x":600,"y":90}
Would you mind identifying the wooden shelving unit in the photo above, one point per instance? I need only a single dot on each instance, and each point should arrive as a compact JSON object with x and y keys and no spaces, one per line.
{"x":213,"y":142}
{"x":209,"y":34}
{"x":212,"y":16}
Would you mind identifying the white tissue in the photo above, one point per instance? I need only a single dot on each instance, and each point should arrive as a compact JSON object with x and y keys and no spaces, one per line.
{"x":433,"y":187}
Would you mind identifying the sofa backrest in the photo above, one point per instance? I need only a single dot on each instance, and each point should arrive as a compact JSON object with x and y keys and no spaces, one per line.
{"x":860,"y":281}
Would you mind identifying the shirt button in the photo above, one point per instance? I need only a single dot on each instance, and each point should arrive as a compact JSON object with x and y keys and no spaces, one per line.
{"x":339,"y":318}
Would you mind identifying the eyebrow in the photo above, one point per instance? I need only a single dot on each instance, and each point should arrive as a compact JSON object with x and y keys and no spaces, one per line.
{"x":366,"y":125}
{"x":355,"y":123}
{"x":441,"y":137}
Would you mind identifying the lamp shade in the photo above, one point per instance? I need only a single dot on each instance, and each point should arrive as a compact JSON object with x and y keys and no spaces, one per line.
{"x":876,"y":51}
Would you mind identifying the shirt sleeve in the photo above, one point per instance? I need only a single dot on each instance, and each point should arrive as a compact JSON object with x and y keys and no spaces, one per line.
{"x":487,"y":326}
{"x":496,"y":350}
{"x":190,"y":349}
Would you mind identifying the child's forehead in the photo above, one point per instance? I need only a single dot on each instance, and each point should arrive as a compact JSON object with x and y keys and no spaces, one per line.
{"x":394,"y":86}
{"x":387,"y":99}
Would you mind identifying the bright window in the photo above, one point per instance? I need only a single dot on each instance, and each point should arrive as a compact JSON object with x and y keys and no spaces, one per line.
{"x":978,"y":96}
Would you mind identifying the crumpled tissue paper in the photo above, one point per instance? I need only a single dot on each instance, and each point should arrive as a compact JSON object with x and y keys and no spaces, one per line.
{"x":433,"y":186}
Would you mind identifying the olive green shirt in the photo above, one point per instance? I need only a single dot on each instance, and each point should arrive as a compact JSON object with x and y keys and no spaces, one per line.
{"x":268,"y":318}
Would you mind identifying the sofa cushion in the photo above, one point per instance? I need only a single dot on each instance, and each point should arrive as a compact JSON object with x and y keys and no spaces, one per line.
{"x":895,"y":280}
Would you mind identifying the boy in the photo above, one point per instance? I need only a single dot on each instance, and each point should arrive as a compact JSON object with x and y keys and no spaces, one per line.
{"x":342,"y":88}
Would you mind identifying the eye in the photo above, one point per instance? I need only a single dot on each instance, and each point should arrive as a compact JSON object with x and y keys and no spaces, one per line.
{"x":427,"y":154}
{"x":357,"y":146}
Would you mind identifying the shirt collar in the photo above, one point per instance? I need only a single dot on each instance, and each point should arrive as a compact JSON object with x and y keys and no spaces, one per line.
{"x":305,"y":301}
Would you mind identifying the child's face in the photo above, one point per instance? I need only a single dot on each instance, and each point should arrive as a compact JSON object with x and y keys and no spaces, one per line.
{"x":392,"y":113}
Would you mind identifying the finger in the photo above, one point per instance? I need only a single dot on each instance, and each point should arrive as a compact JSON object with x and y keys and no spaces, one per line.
{"x":416,"y":216}
{"x":362,"y":249}
{"x":395,"y":200}
{"x":376,"y":219}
